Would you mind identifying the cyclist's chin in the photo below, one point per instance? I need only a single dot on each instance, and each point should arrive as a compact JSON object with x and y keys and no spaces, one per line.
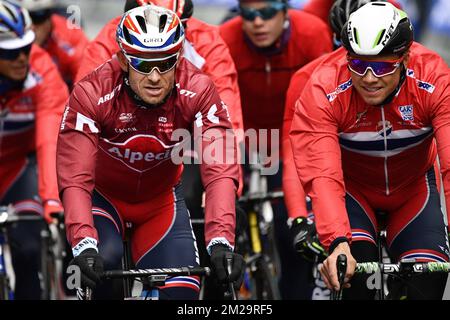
{"x":153,"y":96}
{"x":373,"y":98}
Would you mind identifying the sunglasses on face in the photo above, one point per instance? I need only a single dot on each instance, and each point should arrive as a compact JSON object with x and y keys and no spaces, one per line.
{"x":146,"y":66}
{"x":378,"y":68}
{"x":265,"y":13}
{"x":13,"y":54}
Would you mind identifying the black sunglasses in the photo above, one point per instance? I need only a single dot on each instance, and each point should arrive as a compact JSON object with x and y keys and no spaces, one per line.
{"x":40,"y":16}
{"x":265,"y":13}
{"x":13,"y":54}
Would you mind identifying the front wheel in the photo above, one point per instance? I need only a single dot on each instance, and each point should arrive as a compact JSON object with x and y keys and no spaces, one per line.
{"x":264,"y":280}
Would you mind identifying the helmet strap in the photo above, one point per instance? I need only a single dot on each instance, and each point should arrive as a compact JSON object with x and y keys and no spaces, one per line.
{"x":391,"y":96}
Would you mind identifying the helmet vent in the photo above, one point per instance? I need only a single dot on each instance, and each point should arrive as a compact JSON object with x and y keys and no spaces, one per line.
{"x":126,"y":34}
{"x":177,"y":34}
{"x":380,"y":37}
{"x":162,"y":22}
{"x":355,"y":36}
{"x":141,"y":21}
{"x":11,"y":13}
{"x":378,"y":4}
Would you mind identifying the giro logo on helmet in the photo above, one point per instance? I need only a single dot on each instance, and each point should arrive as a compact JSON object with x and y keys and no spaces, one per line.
{"x":153,"y":40}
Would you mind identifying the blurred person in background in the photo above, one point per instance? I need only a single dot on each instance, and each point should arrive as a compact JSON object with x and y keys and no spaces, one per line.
{"x":64,"y":41}
{"x":32,"y":97}
{"x":269,"y":43}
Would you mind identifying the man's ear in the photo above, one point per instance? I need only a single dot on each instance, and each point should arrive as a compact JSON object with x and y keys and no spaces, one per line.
{"x":123,"y":62}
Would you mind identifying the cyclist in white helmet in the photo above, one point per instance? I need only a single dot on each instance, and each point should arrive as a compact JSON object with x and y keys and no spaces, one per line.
{"x":365,"y":134}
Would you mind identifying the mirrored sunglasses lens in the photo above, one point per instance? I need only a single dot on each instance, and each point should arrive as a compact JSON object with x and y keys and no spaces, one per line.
{"x":383,"y":68}
{"x":146,"y":66}
{"x":358,"y":66}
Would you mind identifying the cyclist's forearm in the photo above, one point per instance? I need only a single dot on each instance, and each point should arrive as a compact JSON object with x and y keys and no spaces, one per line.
{"x":220,"y":213}
{"x":328,"y":199}
{"x":78,"y":215}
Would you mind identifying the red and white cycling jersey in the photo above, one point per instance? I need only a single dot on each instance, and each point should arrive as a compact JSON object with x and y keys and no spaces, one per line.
{"x":31,"y":122}
{"x":337,"y":137}
{"x":109,"y":142}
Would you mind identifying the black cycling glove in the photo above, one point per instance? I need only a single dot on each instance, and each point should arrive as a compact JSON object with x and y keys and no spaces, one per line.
{"x":305,"y":239}
{"x":90,"y":276}
{"x":219,"y":255}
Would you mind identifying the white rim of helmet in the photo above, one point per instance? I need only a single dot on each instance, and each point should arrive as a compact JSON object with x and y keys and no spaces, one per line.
{"x":371,"y":20}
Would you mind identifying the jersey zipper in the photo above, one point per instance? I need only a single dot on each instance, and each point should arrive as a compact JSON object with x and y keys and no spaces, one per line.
{"x":268,"y":72}
{"x":386,"y":175}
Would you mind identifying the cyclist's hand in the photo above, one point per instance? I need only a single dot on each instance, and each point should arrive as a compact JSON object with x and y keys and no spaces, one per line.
{"x":328,"y":269}
{"x":305,"y":239}
{"x":50,"y":207}
{"x":219,"y":255}
{"x":90,"y":276}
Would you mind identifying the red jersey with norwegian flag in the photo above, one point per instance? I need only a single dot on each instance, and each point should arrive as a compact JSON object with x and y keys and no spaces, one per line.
{"x":337,"y":138}
{"x":29,"y":120}
{"x":112,"y":142}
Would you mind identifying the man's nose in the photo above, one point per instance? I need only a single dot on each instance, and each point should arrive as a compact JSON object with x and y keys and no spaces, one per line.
{"x":369,"y":77}
{"x":154,"y":75}
{"x":258,"y":21}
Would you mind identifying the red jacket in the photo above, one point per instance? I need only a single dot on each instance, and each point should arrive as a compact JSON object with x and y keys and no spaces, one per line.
{"x":66,"y":46}
{"x":337,"y":137}
{"x":108,"y":142}
{"x":263,"y":81}
{"x":294,"y":196}
{"x":32,"y":124}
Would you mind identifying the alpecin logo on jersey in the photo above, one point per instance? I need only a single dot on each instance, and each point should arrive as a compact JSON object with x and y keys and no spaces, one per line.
{"x":140,"y":152}
{"x":407,"y":112}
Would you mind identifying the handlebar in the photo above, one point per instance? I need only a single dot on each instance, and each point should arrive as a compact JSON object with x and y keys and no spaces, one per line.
{"x":8,"y":216}
{"x":404,"y":266}
{"x":168,"y":272}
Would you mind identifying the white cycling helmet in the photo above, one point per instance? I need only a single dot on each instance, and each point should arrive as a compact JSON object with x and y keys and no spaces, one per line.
{"x":377,"y":28}
{"x":35,"y":5}
{"x":15,"y":26}
{"x":150,"y":29}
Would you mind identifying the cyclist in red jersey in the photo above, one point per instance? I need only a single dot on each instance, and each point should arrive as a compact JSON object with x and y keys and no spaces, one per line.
{"x":207,"y":51}
{"x":204,"y":48}
{"x":115,"y":162}
{"x":365,"y":134}
{"x":302,"y":229}
{"x":268,"y":44}
{"x":62,"y":39}
{"x":30,"y":113}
